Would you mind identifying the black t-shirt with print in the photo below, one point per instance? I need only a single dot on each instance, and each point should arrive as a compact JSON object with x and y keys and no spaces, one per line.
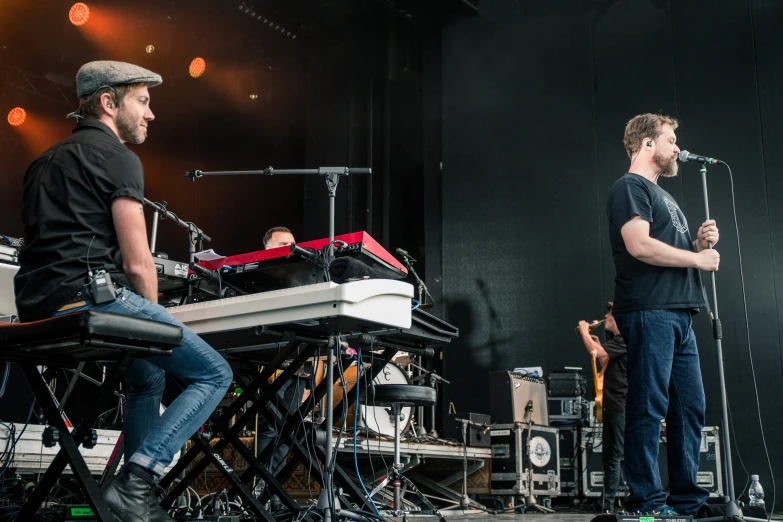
{"x":68,"y":194}
{"x":638,"y":285}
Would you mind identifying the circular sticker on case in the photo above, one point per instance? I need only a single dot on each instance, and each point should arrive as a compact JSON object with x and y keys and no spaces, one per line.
{"x":540,"y":452}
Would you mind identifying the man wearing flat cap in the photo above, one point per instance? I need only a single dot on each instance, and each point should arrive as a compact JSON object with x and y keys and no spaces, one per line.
{"x":83,"y":214}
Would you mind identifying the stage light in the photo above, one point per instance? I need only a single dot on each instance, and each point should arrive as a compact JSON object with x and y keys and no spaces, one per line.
{"x":149,"y":49}
{"x":254,"y":97}
{"x":16,"y":116}
{"x":79,"y":14}
{"x":197,"y":67}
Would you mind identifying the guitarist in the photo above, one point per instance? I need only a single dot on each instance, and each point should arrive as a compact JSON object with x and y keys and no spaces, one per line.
{"x":611,"y":357}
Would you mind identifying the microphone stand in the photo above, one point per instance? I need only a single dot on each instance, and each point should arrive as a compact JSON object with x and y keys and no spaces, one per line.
{"x":423,"y":293}
{"x":331,"y":176}
{"x":465,"y":503}
{"x":433,"y":379}
{"x":196,"y":235}
{"x":732,"y":512}
{"x":423,"y":290}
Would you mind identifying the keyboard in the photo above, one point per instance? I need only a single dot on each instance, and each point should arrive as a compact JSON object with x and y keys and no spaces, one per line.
{"x":319,"y":309}
{"x":275,"y":269}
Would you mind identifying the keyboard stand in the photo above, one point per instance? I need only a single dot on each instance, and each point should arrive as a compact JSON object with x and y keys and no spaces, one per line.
{"x":257,"y":393}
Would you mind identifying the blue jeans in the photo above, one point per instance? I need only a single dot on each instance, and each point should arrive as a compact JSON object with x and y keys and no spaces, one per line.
{"x":664,"y":381}
{"x":612,"y":456}
{"x":151,"y":439}
{"x":290,"y":396}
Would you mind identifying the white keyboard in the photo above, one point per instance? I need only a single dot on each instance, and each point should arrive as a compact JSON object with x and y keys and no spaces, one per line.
{"x":326,"y":308}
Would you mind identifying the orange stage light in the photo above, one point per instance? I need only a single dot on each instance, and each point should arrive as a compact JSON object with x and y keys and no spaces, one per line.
{"x":197,"y":67}
{"x":17,"y":116}
{"x":79,"y":14}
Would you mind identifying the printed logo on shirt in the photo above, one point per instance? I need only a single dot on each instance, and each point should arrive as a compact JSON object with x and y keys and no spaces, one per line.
{"x":678,"y":218}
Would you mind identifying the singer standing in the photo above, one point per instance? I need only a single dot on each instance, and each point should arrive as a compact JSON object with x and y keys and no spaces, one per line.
{"x":657,"y":290}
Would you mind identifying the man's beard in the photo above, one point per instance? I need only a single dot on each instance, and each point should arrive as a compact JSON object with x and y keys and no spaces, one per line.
{"x":129,"y":130}
{"x":667,"y":167}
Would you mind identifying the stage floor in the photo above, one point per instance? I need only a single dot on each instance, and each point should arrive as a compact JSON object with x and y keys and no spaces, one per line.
{"x":459,"y":516}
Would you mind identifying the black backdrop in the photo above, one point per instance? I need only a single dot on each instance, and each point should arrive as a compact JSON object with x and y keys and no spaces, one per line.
{"x":535,"y":96}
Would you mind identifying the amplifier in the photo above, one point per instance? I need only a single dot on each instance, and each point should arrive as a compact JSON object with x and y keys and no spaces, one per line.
{"x":568,"y":444}
{"x":569,"y":482}
{"x":510,"y":393}
{"x":525,"y":460}
{"x":567,"y":383}
{"x":476,"y":437}
{"x":570,"y":460}
{"x":709,"y":475}
{"x":567,"y":410}
{"x":592,"y":466}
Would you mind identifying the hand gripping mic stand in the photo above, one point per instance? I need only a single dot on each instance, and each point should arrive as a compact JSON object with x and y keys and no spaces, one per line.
{"x":732,"y":512}
{"x":332,"y":177}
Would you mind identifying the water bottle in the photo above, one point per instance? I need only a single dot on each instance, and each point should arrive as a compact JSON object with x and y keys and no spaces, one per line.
{"x":756,"y":492}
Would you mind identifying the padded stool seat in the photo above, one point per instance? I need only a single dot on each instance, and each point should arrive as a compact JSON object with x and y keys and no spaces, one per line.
{"x":86,"y":336}
{"x":69,"y":340}
{"x":402,"y":394}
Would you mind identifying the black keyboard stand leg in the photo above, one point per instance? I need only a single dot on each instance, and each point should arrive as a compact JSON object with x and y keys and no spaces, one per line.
{"x":69,"y":443}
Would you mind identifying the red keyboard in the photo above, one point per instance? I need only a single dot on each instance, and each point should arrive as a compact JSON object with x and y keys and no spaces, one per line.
{"x":272,"y":269}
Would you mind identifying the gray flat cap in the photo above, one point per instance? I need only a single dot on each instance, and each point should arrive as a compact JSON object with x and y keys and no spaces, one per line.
{"x":97,"y":75}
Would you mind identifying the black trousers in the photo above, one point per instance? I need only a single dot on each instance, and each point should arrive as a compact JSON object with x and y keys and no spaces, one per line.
{"x":612,"y":455}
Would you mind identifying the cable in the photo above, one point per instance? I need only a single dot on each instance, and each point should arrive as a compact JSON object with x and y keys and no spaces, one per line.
{"x":5,"y":378}
{"x":375,"y":414}
{"x":89,"y":269}
{"x":344,"y":415}
{"x":311,"y":432}
{"x":10,"y":453}
{"x":355,"y":418}
{"x":736,"y":447}
{"x":344,"y":418}
{"x":366,"y":394}
{"x":416,"y":305}
{"x":750,"y":352}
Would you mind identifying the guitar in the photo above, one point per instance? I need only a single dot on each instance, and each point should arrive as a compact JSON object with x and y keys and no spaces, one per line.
{"x":598,"y":384}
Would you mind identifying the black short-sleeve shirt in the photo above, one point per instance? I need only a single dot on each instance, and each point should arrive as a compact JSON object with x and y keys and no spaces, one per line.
{"x":68,"y":193}
{"x":639,"y":285}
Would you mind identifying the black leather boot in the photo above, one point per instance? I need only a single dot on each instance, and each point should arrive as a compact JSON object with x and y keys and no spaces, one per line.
{"x":157,"y":513}
{"x":130,"y":494}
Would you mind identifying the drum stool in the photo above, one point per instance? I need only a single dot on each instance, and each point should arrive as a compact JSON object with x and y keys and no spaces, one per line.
{"x":397,"y":396}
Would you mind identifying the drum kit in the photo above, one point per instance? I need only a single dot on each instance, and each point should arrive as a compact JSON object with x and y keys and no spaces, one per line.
{"x":376,"y":420}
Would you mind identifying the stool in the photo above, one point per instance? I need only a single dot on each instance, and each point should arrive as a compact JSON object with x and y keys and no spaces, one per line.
{"x":66,"y":341}
{"x":397,"y":396}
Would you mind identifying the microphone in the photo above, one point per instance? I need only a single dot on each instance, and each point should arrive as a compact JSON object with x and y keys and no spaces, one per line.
{"x":685,"y":156}
{"x":311,"y":257}
{"x":192,"y":175}
{"x":403,"y":253}
{"x":205,"y":274}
